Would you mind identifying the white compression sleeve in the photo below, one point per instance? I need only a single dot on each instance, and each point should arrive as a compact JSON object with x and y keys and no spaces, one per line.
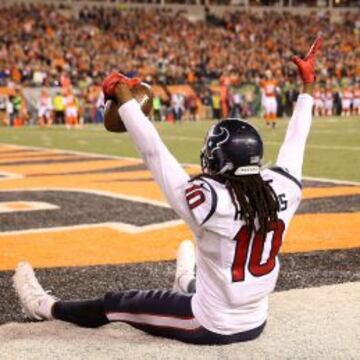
{"x":291,"y":154}
{"x":166,"y":170}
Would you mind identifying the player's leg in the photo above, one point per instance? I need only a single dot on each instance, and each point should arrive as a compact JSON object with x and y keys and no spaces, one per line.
{"x":41,"y":117}
{"x":267,"y":110}
{"x":49,"y":120}
{"x":185,"y":268}
{"x":67,"y":119}
{"x":345,"y":107}
{"x":329,"y":106}
{"x":158,"y":312}
{"x":167,"y":314}
{"x":316,"y":108}
{"x":274,"y":107}
{"x":357,"y":106}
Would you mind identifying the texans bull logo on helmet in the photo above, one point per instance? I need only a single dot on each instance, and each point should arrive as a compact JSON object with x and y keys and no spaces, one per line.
{"x":232,"y":146}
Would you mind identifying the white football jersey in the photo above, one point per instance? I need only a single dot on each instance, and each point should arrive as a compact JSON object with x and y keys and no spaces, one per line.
{"x":236,"y":271}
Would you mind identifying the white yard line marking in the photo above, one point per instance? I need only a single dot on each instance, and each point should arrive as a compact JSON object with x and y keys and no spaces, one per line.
{"x":118,"y":226}
{"x":25,"y":206}
{"x":5,"y":175}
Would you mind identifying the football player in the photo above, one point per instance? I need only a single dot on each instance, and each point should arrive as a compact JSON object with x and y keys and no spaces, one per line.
{"x":238,"y":212}
{"x":356,"y":106}
{"x":318,"y":101}
{"x":44,"y":107}
{"x":329,"y":100}
{"x":347,"y":97}
{"x":71,"y":110}
{"x":269,"y":90}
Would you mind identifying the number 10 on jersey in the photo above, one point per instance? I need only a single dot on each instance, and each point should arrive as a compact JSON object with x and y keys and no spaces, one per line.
{"x":256,"y":268}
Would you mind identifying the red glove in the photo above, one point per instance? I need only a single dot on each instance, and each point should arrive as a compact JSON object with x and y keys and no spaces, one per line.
{"x":306,"y":66}
{"x":114,"y":79}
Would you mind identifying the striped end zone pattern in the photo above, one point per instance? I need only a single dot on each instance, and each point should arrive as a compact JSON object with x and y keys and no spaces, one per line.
{"x":99,"y":209}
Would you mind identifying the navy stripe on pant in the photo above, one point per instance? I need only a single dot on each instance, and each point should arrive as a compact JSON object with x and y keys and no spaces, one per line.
{"x":158,"y":312}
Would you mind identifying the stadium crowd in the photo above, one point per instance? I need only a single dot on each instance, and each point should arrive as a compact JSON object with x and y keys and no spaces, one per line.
{"x":40,"y":46}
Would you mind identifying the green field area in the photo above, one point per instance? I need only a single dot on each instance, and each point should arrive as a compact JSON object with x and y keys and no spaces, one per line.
{"x":333,"y":149}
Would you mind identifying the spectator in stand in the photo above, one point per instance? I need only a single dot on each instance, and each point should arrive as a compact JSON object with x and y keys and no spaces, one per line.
{"x":38,"y":44}
{"x":41,"y":46}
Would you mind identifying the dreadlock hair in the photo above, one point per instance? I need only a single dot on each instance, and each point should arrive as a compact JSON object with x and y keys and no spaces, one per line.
{"x":255,"y":197}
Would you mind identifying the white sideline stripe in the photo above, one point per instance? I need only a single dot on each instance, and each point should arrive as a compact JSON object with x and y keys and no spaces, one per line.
{"x":155,"y":320}
{"x":336,"y":181}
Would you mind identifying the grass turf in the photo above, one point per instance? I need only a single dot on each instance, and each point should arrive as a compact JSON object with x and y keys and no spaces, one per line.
{"x":333,"y":149}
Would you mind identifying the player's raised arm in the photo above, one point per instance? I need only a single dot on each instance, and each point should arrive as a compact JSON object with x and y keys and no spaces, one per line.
{"x":291,"y":153}
{"x":166,"y":170}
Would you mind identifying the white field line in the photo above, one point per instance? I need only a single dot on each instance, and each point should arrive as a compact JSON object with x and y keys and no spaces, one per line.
{"x":138,"y":160}
{"x":117,"y":226}
{"x":8,"y":206}
{"x":5,"y":175}
{"x":334,"y":181}
{"x":74,"y":152}
{"x":95,"y":192}
{"x":325,"y":147}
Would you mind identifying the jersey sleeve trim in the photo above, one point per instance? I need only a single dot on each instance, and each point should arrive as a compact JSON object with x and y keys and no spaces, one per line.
{"x":214,"y":202}
{"x":283,"y":172}
{"x":213,"y":197}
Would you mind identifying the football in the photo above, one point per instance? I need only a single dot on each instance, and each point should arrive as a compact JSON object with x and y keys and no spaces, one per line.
{"x":143,"y":95}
